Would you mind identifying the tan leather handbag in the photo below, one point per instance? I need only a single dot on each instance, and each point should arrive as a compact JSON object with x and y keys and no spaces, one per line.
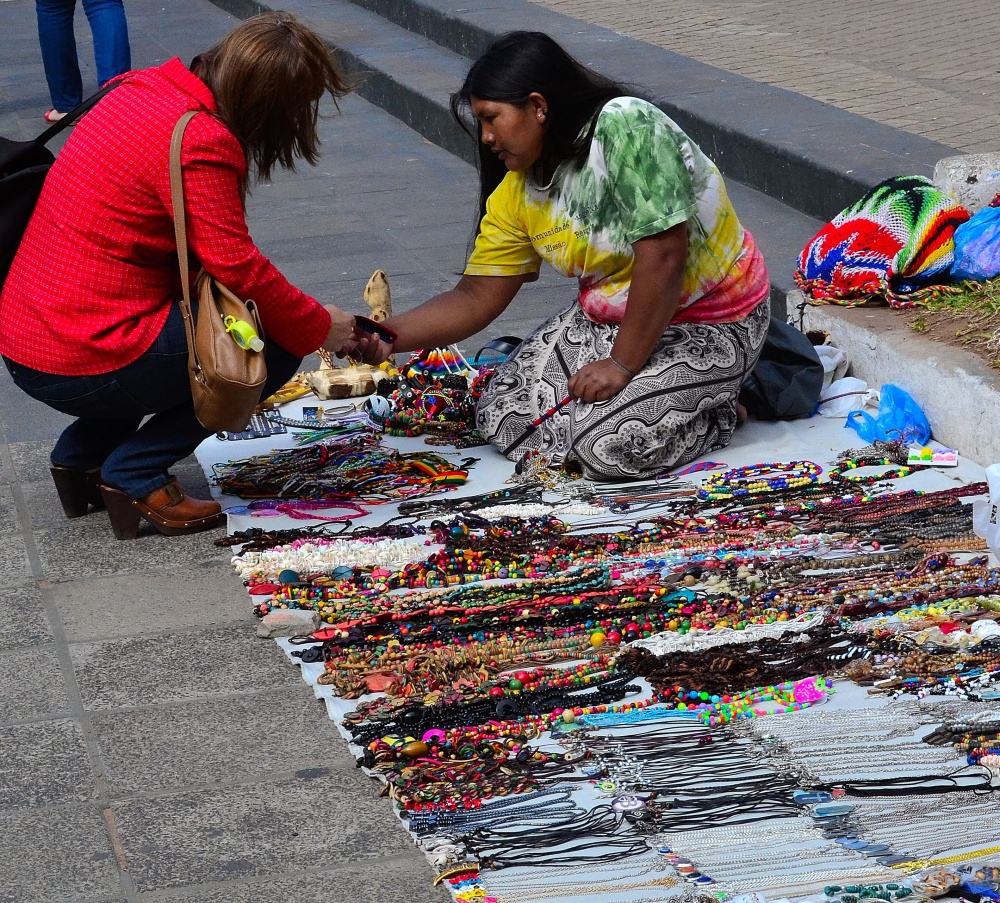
{"x":226,"y":375}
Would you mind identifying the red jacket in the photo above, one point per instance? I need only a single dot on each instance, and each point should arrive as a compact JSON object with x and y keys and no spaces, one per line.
{"x":94,"y":277}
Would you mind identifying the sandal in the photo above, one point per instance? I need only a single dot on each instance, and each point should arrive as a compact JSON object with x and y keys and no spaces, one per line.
{"x":167,"y":509}
{"x":501,"y":349}
{"x":78,"y":490}
{"x":54,"y":115}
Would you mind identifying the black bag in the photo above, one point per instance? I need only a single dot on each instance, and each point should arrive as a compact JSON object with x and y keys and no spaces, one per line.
{"x":788,"y":378}
{"x":23,"y":167}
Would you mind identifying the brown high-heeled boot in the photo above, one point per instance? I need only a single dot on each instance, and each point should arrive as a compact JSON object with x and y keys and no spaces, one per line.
{"x":168,"y":509}
{"x":78,"y":490}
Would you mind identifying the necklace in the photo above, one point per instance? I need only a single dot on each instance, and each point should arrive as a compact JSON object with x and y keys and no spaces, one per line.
{"x":756,"y":479}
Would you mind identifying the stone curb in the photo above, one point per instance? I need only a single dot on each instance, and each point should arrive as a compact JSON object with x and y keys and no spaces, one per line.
{"x":958,"y":391}
{"x":811,"y":156}
{"x":807,"y":154}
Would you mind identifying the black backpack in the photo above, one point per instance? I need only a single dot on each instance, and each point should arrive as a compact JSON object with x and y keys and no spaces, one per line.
{"x":788,"y":378}
{"x":23,"y":167}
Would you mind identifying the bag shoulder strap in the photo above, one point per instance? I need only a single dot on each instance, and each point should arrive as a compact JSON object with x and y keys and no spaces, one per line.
{"x":180,"y":229}
{"x":76,"y":113}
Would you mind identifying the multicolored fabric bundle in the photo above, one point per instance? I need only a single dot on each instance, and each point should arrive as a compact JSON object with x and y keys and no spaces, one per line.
{"x":897,"y":239}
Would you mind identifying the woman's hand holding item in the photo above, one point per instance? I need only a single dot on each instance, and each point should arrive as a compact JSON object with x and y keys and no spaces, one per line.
{"x":598,"y":381}
{"x":341,"y":329}
{"x":368,"y":348}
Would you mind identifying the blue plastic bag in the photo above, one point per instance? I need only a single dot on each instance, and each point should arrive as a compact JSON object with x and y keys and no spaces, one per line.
{"x":899,"y":417}
{"x":977,"y":247}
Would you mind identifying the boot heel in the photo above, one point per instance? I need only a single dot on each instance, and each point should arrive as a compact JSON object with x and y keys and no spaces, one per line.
{"x":122,"y":513}
{"x":72,"y":489}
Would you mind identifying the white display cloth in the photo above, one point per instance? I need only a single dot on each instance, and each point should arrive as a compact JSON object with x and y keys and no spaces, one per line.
{"x":815,"y":439}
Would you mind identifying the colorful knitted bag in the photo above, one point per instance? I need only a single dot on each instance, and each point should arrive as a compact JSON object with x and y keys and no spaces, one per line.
{"x":897,"y":239}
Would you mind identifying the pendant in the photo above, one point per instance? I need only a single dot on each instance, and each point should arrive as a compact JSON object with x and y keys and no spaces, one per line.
{"x":832,"y":810}
{"x":625,"y":804}
{"x":808,"y":797}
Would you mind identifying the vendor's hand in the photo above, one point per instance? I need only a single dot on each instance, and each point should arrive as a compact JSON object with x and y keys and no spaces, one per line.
{"x":368,"y":348}
{"x":598,"y":381}
{"x":341,"y":329}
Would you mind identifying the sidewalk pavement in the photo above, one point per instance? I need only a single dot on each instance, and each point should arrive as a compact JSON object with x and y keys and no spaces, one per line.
{"x":925,"y":68}
{"x":152,"y":747}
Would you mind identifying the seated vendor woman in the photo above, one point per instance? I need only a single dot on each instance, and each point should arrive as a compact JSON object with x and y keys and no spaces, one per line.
{"x":672,"y":302}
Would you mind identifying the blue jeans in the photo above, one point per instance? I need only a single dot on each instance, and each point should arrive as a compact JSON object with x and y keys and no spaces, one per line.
{"x":110,"y":433}
{"x":58,"y":42}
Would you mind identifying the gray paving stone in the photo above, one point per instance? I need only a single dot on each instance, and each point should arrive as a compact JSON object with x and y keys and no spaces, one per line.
{"x":57,"y":856}
{"x":429,"y":236}
{"x":220,"y":741}
{"x":31,"y":684}
{"x":31,"y":458}
{"x":400,"y":261}
{"x":85,"y":547}
{"x":14,"y":567}
{"x":267,"y":210}
{"x":178,"y":667}
{"x":44,"y":510}
{"x":191,"y":476}
{"x":204,"y":595}
{"x":24,"y":419}
{"x":23,"y":622}
{"x":375,"y":881}
{"x":189,"y":838}
{"x":409,"y":218}
{"x":320,"y":246}
{"x":8,"y":511}
{"x":50,"y":767}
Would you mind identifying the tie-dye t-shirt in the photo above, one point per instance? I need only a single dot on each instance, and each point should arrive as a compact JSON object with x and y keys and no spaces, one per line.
{"x":643,"y":176}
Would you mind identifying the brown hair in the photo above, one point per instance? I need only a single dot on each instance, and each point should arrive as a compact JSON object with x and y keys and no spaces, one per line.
{"x":268,"y":76}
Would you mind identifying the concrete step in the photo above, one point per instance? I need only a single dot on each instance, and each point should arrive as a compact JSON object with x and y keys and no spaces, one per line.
{"x":813,"y":157}
{"x":412,"y":77}
{"x":958,"y":391}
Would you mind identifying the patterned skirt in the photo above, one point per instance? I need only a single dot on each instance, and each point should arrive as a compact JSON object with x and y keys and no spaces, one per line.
{"x":681,"y":405}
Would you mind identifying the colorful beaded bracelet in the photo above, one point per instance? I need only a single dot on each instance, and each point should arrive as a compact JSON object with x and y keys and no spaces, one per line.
{"x":839,"y":472}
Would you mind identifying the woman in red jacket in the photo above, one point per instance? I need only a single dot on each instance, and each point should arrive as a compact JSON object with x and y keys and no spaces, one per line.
{"x":89,"y":322}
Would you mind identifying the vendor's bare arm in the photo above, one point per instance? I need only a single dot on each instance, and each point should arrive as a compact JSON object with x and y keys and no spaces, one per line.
{"x":653,"y":296}
{"x":456,"y":314}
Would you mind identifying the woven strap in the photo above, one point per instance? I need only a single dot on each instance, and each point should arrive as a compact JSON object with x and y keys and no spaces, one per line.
{"x":180,"y":233}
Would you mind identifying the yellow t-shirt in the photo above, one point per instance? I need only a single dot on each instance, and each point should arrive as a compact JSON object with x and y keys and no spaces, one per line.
{"x":643,"y":175}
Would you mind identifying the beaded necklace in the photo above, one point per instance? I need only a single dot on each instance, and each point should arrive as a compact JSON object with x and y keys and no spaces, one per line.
{"x":755,"y":479}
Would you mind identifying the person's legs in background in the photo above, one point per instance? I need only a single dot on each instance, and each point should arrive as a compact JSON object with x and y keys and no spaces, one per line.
{"x":110,"y":30}
{"x":59,"y":55}
{"x":59,"y":59}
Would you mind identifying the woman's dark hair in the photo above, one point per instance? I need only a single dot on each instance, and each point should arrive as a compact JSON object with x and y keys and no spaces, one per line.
{"x":514,"y":66}
{"x":268,"y":76}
